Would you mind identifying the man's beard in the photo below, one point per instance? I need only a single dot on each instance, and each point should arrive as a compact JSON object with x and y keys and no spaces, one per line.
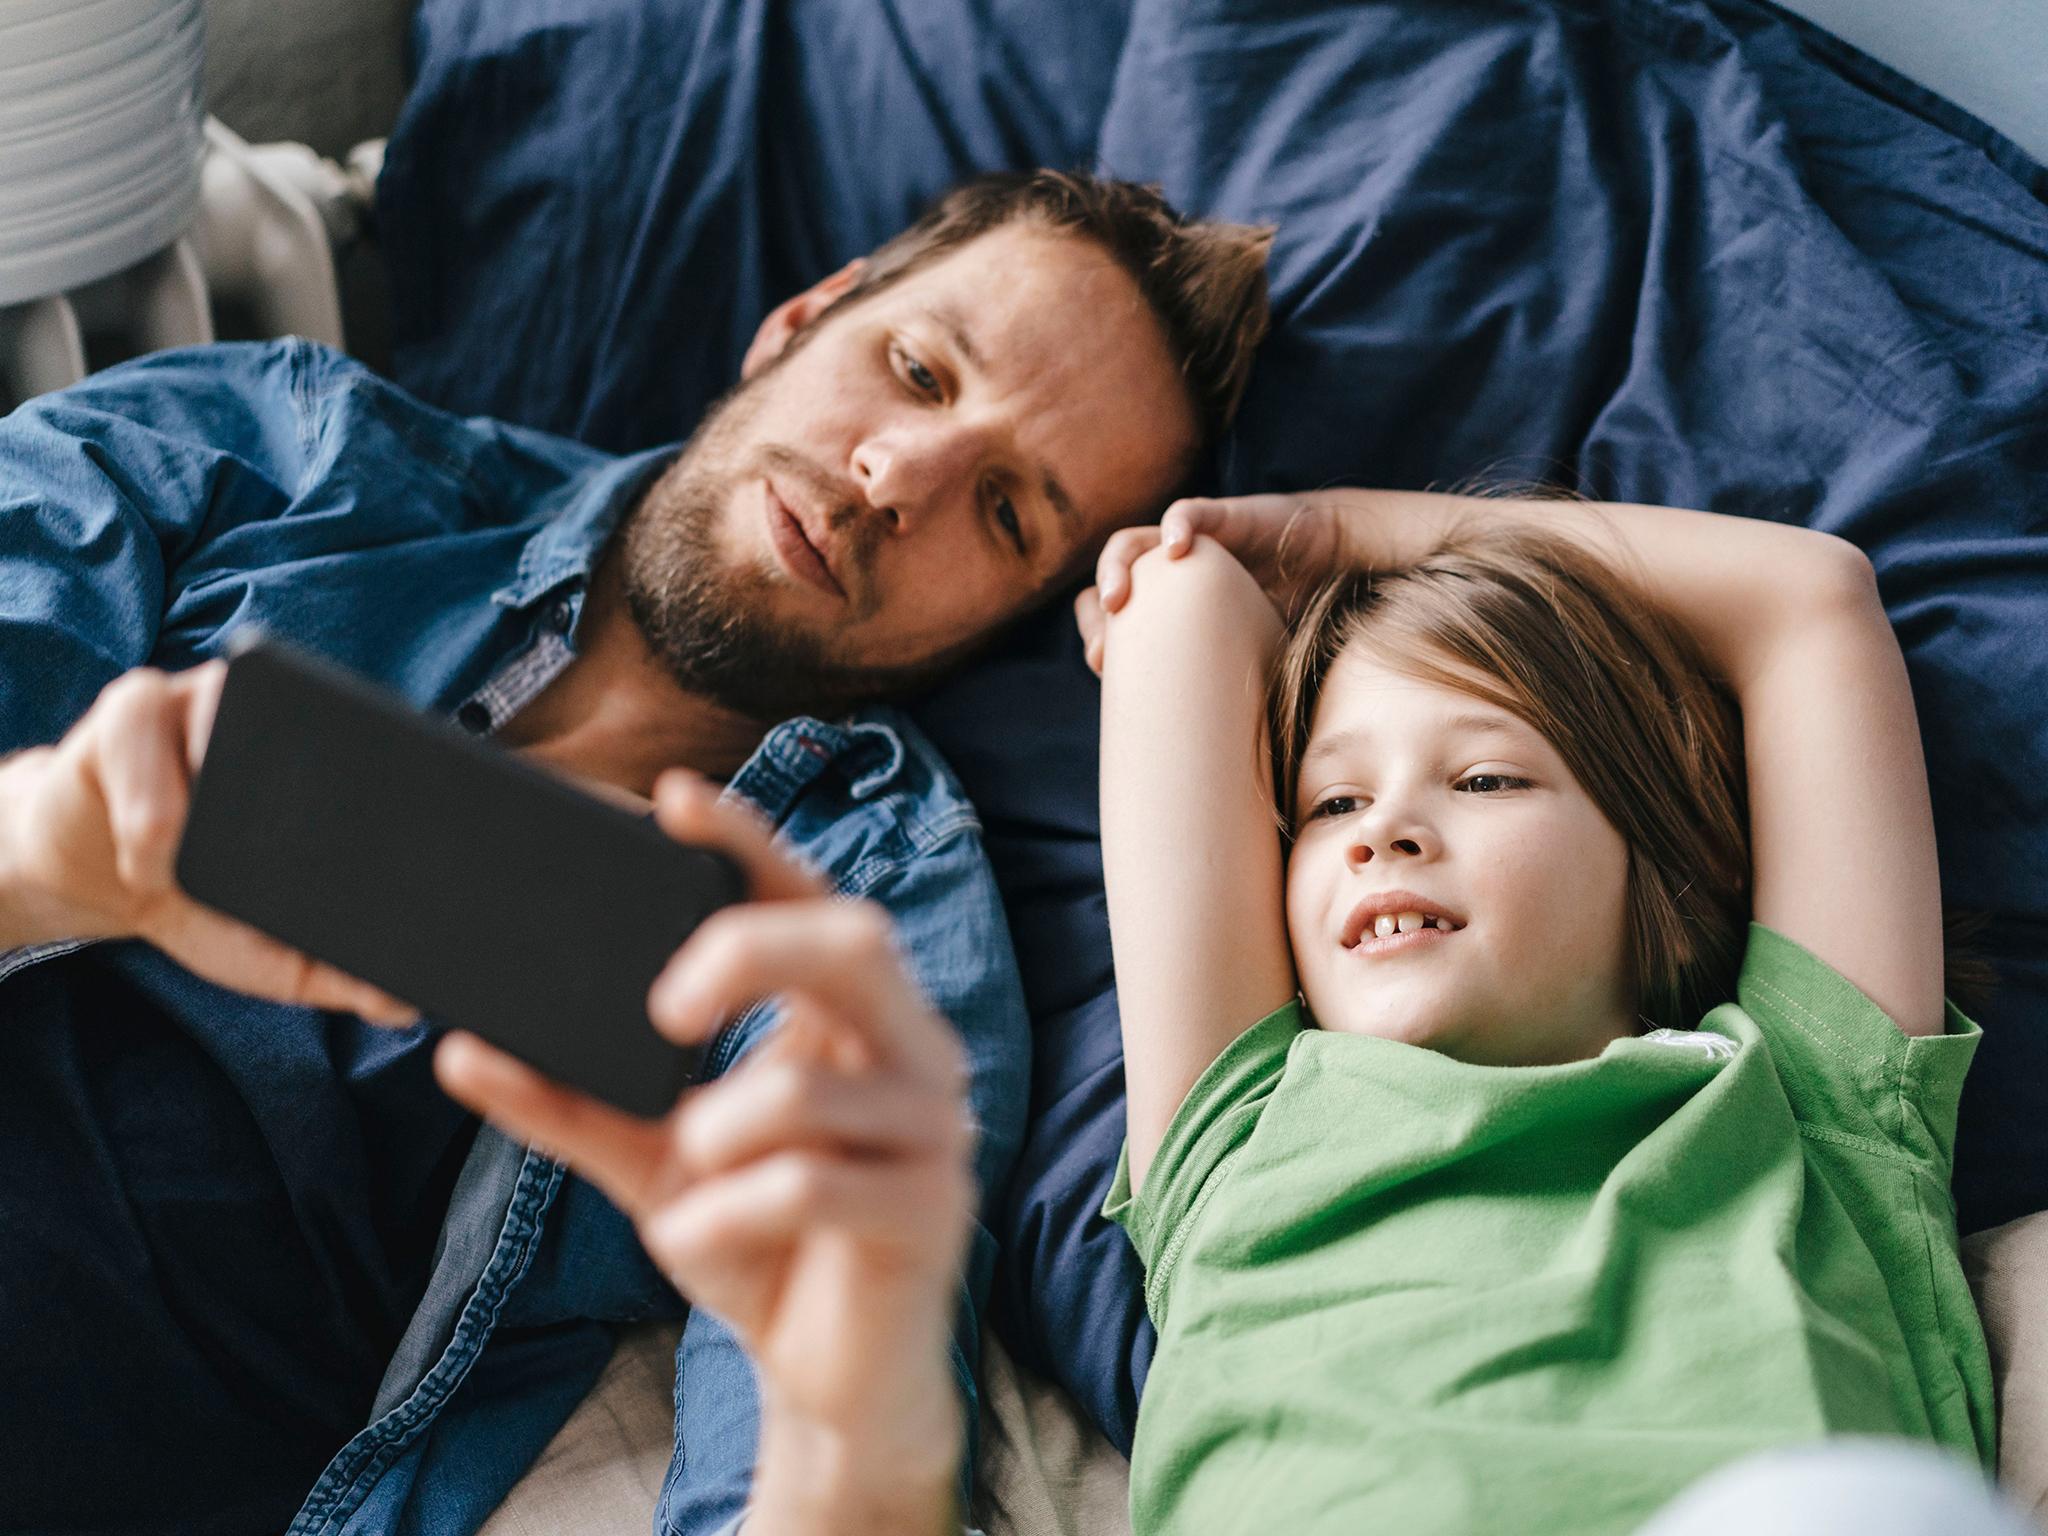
{"x":711,"y":622}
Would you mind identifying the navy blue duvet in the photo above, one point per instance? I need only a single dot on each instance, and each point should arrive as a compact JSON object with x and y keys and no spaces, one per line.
{"x":1681,"y":251}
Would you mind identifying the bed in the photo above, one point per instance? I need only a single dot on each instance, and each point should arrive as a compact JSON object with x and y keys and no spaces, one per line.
{"x":1695,"y":251}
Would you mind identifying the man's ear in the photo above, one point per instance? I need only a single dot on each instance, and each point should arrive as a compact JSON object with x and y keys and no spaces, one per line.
{"x":792,"y":315}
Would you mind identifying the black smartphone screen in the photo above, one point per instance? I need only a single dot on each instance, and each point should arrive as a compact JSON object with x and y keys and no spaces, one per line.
{"x":485,"y":891}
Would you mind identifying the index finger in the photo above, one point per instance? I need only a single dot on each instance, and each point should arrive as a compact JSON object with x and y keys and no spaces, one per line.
{"x":688,"y":808}
{"x":838,"y":959}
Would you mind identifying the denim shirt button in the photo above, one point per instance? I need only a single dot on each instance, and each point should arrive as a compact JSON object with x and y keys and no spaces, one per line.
{"x":474,"y":717}
{"x":558,"y":616}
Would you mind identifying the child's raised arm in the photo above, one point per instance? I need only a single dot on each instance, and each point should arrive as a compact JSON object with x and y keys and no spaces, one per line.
{"x":1841,"y":829}
{"x":1190,"y":844}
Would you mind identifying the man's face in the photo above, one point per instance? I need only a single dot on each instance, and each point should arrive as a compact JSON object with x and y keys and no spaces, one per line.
{"x":918,"y":467}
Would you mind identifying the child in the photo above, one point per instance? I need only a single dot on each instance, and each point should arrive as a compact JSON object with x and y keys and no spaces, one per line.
{"x":1561,"y":1106}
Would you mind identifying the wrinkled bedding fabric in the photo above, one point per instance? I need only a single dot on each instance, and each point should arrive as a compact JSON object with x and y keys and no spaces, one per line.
{"x":1684,"y":251}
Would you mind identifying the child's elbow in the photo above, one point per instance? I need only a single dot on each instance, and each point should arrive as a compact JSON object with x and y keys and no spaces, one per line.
{"x":1199,"y":590}
{"x":1837,"y":577}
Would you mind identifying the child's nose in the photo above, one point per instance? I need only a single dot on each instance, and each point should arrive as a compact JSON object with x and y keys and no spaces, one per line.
{"x":1364,"y":853}
{"x":1391,"y":838}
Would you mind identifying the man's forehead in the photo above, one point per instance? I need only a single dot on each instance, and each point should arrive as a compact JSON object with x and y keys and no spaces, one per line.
{"x":1022,"y":286}
{"x":1053,"y":321}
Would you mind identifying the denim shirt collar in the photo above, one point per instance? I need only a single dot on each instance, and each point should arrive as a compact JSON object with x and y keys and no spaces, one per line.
{"x":577,"y":522}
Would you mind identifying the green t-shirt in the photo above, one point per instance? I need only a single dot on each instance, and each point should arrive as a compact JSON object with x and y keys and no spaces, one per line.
{"x":1397,"y":1292}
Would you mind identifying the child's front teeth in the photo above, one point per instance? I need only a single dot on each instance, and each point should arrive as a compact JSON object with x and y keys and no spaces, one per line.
{"x":1388,"y":924}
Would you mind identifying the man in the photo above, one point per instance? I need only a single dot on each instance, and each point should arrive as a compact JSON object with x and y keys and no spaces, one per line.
{"x":248,"y":1249}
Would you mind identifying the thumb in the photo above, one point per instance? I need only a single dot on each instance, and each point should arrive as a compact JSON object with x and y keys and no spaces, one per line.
{"x":1088,"y":619}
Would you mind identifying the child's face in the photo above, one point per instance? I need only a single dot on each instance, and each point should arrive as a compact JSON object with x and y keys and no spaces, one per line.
{"x":1419,"y":797}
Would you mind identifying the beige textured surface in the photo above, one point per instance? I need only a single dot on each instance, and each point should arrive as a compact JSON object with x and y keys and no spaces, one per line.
{"x":2008,"y":1269}
{"x":601,"y":1474}
{"x":1044,"y":1470}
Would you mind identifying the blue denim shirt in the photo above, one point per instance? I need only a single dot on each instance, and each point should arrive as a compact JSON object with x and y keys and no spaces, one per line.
{"x":149,"y":512}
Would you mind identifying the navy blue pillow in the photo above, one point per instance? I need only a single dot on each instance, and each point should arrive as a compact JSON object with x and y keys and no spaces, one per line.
{"x":588,"y":205}
{"x":1666,"y":250}
{"x":1670,"y":251}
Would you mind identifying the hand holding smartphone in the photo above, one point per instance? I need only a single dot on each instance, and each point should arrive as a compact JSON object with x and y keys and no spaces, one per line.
{"x":447,"y":871}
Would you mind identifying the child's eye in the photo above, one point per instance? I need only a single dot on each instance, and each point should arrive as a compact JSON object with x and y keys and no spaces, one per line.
{"x":1334,"y":805}
{"x":1491,"y":783}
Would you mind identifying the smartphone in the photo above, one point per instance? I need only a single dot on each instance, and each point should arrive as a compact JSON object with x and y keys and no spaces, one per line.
{"x":487,"y":892}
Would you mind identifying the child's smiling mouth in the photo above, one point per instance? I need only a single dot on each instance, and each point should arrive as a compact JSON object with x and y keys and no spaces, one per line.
{"x":1397,"y":942}
{"x":1395,"y":920}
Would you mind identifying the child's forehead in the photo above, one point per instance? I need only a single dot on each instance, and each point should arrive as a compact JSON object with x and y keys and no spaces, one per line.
{"x":1368,"y":702}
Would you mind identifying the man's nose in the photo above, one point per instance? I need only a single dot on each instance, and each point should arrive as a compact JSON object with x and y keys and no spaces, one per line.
{"x":910,"y":474}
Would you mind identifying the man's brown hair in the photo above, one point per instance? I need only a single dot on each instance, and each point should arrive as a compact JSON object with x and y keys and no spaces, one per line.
{"x":1537,"y":626}
{"x":1204,"y":280}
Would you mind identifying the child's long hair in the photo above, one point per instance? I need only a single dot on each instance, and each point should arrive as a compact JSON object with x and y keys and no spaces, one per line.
{"x":1537,"y":626}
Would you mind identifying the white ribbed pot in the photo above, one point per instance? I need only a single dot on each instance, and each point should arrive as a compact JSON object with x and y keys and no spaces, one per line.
{"x":101,"y":137}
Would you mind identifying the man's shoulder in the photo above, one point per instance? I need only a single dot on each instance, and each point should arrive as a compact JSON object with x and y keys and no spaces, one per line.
{"x":285,"y":407}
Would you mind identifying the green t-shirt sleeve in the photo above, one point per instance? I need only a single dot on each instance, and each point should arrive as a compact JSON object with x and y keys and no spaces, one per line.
{"x":1876,"y":1109}
{"x":1847,"y":1068}
{"x":1213,"y":1121}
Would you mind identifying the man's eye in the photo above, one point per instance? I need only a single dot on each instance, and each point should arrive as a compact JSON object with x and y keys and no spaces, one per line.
{"x":1491,"y":783}
{"x":1006,"y":514}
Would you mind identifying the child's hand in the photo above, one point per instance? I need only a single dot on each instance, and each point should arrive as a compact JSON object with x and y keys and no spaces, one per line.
{"x":818,"y":1197}
{"x":1289,"y":543}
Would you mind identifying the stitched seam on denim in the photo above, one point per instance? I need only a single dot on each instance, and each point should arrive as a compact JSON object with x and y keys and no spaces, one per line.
{"x":479,"y":1315}
{"x":355,"y":1482}
{"x":922,"y":832}
{"x":21,"y":959}
{"x":869,"y":871}
{"x":725,"y":1045}
{"x":299,"y":356}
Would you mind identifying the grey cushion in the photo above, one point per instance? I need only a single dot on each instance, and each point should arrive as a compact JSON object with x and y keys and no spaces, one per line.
{"x":329,"y":73}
